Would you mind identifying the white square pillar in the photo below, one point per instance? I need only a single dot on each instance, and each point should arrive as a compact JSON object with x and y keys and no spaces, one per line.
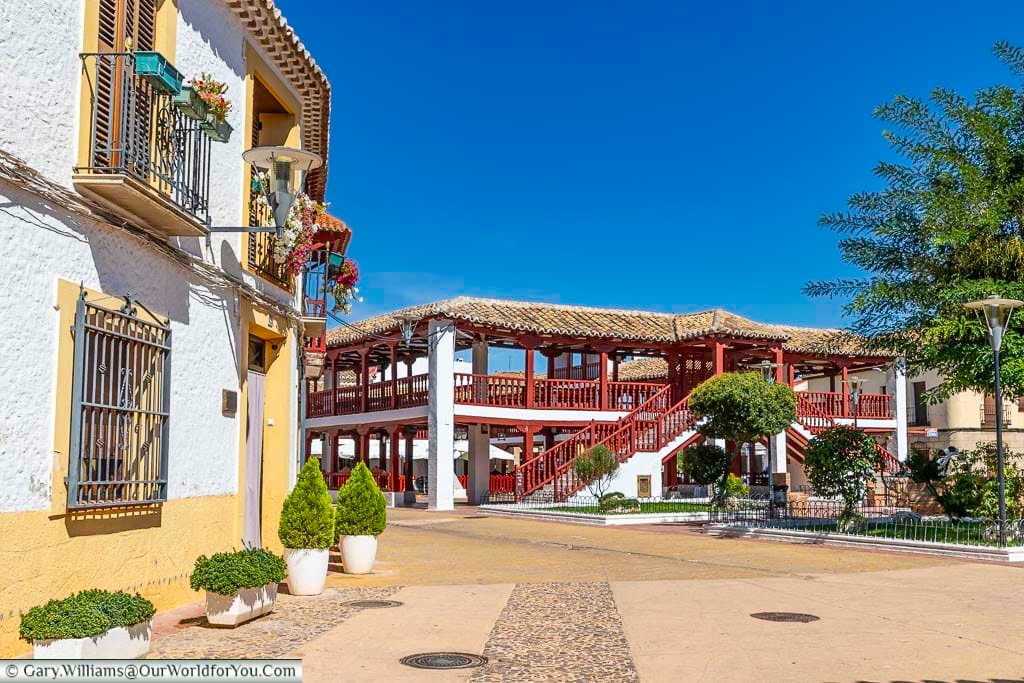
{"x":777,"y":445}
{"x":478,"y":483}
{"x":899,"y":371}
{"x":441,"y":415}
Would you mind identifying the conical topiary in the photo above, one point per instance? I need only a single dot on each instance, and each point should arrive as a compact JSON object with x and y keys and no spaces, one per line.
{"x":362,"y":510}
{"x":307,"y":519}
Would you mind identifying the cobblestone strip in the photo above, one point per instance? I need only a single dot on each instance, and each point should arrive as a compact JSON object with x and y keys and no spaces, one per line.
{"x":294,"y":622}
{"x":558,"y":632}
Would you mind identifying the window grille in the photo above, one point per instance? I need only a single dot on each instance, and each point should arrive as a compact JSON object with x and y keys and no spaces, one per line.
{"x":120,"y":398}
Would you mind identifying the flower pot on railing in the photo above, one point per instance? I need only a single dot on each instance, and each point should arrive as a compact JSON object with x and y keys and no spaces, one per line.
{"x":216,"y":129}
{"x":153,"y":67}
{"x":191,"y":104}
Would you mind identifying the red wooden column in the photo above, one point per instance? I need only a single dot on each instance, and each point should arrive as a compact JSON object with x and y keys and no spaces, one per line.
{"x":549,"y":438}
{"x":364,"y":447}
{"x":846,"y":391}
{"x":527,"y":431}
{"x":410,"y":434}
{"x":396,"y":435}
{"x":792,"y":376}
{"x":602,"y":380}
{"x":332,"y":450}
{"x":394,"y":373}
{"x":528,"y":372}
{"x":780,"y":373}
{"x":718,"y":358}
{"x":364,"y":380}
{"x":615,"y":367}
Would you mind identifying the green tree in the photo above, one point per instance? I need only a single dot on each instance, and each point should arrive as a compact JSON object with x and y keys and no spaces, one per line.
{"x":839,"y":462}
{"x":707,"y":464}
{"x":362,"y":510}
{"x":596,"y":468}
{"x":742,"y":407}
{"x":947,"y":228}
{"x":307,"y":518}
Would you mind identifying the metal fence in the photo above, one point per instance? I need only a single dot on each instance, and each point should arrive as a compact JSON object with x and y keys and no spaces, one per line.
{"x":136,"y":130}
{"x":120,"y":399}
{"x":883,"y":522}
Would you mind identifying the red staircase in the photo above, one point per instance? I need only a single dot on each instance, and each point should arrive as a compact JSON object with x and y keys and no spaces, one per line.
{"x":815,"y":421}
{"x":647,"y":429}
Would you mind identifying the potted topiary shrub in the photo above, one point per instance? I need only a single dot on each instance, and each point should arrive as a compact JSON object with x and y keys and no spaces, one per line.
{"x":92,"y":624}
{"x":306,"y":530}
{"x":239,"y":585}
{"x":361,"y":518}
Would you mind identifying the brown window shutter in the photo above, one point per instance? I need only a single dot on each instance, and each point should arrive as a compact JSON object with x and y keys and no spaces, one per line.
{"x":990,"y":410}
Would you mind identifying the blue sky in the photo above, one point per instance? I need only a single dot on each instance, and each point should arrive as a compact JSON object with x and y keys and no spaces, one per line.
{"x":656,"y":155}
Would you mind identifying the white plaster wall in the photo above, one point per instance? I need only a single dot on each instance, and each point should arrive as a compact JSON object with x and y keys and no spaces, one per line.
{"x":39,"y":244}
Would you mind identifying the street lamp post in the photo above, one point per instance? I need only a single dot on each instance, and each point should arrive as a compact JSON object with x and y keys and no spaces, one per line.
{"x":855,"y":384}
{"x":996,"y":312}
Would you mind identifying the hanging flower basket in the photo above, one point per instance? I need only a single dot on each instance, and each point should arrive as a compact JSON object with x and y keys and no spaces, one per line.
{"x":344,"y":289}
{"x":191,"y":103}
{"x":217,"y":130}
{"x":292,"y":246}
{"x":158,"y":71}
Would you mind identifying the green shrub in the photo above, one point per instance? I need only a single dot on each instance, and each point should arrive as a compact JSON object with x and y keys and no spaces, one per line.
{"x":838,"y":462}
{"x":609,"y":500}
{"x":83,"y":615}
{"x":362,"y":510}
{"x":706,"y":463}
{"x":307,"y":518}
{"x":620,"y":504}
{"x":735,"y":488}
{"x":596,"y":468}
{"x":743,"y":407}
{"x":227,"y":573}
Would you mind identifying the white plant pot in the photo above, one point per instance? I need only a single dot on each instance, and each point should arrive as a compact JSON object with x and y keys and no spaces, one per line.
{"x":246,"y":604}
{"x":307,"y":570}
{"x":358,"y":553}
{"x":123,"y":642}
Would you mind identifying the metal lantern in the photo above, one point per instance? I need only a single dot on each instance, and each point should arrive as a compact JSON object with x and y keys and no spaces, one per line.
{"x":281,"y":163}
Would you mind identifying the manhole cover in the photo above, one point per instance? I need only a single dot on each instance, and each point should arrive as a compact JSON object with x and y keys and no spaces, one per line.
{"x":372,"y":604}
{"x":785,"y":616}
{"x":443,"y":660}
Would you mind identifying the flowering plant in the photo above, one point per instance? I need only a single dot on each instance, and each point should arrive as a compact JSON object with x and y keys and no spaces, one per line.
{"x":212,"y":92}
{"x":344,"y":287}
{"x":292,"y":247}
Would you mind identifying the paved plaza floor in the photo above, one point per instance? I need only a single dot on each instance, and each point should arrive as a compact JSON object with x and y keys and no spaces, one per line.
{"x":545,"y":601}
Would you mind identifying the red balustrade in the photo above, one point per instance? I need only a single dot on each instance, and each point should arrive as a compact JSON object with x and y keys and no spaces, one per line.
{"x":335,"y":480}
{"x":569,"y":394}
{"x":379,"y":395}
{"x":827,"y":403}
{"x":810,"y":415}
{"x":413,"y":391}
{"x":490,"y":390}
{"x":877,"y":406}
{"x":502,"y":483}
{"x":628,"y":395}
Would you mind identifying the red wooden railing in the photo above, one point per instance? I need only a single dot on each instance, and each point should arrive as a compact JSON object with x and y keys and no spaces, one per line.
{"x":877,"y":406}
{"x":503,"y":483}
{"x":413,"y":391}
{"x":836,"y":404}
{"x":570,"y":394}
{"x":644,"y":429}
{"x":654,"y":427}
{"x":813,"y":418}
{"x":890,"y":463}
{"x":490,"y":390}
{"x":335,"y":480}
{"x":627,"y":395}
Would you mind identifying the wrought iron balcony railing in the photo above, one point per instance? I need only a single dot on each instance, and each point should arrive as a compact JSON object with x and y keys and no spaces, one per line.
{"x":136,"y":131}
{"x":260,"y":247}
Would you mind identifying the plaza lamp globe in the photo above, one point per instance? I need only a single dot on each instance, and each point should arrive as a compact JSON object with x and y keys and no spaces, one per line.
{"x":996,"y":312}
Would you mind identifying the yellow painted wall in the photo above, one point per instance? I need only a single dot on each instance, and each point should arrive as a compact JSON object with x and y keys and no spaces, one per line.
{"x":151,"y":552}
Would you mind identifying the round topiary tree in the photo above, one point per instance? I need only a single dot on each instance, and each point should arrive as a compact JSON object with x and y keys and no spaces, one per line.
{"x":707,"y":464}
{"x":596,"y":468}
{"x":307,"y":518}
{"x":362,"y":509}
{"x":743,"y":407}
{"x":838,"y":462}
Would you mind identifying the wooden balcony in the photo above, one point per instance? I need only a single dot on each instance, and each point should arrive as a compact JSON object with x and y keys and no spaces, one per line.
{"x":498,"y":391}
{"x":834,"y":404}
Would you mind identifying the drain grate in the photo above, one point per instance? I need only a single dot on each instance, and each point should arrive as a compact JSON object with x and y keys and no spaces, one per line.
{"x":443,"y":660}
{"x":372,"y":604}
{"x":785,"y":616}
